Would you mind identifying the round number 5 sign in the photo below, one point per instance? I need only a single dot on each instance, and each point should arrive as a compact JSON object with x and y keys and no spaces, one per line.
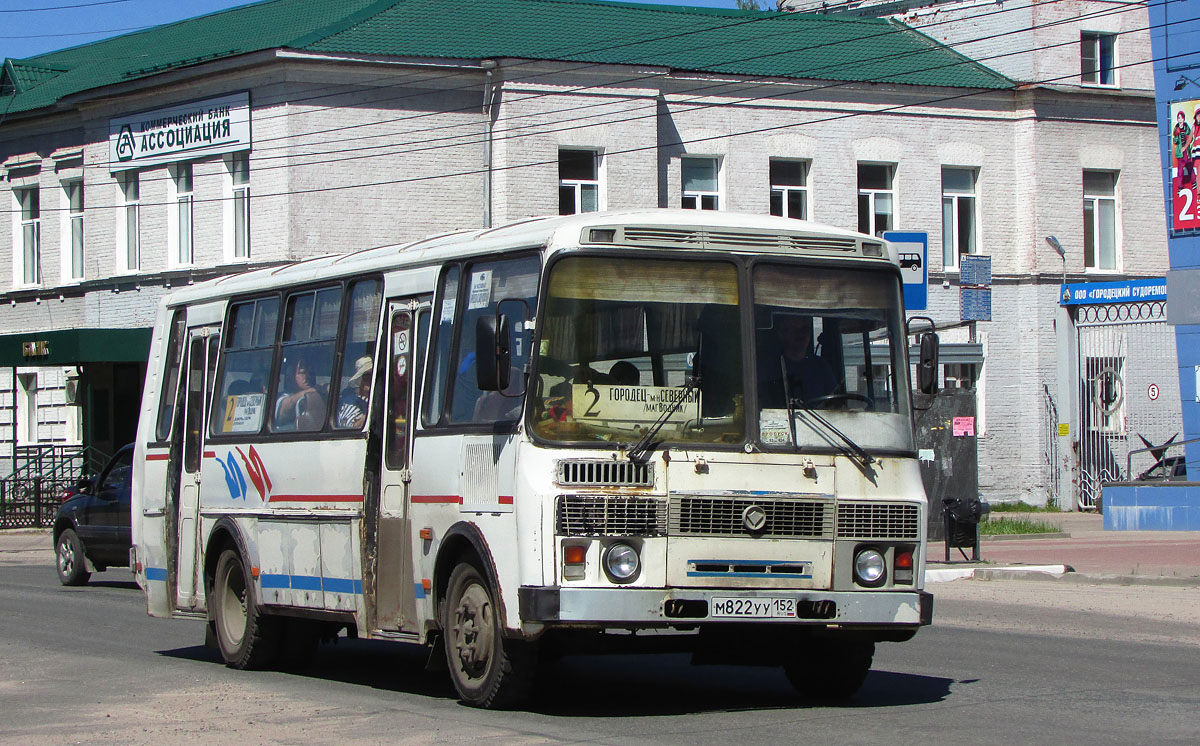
{"x":1152,"y":392}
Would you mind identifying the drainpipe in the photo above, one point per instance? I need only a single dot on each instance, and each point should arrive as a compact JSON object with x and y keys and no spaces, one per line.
{"x":488,"y":66}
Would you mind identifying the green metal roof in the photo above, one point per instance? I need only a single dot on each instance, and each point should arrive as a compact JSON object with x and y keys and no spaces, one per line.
{"x":756,"y":43}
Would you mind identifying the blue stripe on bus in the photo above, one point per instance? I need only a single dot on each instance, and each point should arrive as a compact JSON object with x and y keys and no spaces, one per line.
{"x":804,"y":576}
{"x":156,"y":573}
{"x":310,"y":583}
{"x":420,"y":590}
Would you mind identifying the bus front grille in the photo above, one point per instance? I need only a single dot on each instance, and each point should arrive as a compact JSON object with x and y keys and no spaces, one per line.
{"x":610,"y":515}
{"x":602,"y":473}
{"x":866,"y":520}
{"x":726,"y":516}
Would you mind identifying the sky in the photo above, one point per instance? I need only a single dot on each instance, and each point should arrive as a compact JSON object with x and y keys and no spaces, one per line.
{"x":32,"y":27}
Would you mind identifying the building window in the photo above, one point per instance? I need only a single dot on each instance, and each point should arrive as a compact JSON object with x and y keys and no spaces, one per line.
{"x":29,"y":205}
{"x":1100,"y":220}
{"x":958,"y":215}
{"x":876,"y":198}
{"x":578,"y":181}
{"x":789,"y":189}
{"x":73,"y":233}
{"x":700,"y":189}
{"x":1098,"y":58}
{"x":239,"y":216}
{"x":181,"y":242}
{"x":129,"y":230}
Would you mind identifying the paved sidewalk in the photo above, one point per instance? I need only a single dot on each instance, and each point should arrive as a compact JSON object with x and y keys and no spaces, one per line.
{"x":26,"y":546}
{"x":1149,"y":557}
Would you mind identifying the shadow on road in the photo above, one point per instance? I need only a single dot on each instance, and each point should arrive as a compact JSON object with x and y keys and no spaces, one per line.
{"x":605,"y":685}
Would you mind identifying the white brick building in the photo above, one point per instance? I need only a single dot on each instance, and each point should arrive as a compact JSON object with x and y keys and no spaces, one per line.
{"x":361,"y":136}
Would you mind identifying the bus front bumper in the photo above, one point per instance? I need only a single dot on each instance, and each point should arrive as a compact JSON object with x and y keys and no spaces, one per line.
{"x":670,"y":606}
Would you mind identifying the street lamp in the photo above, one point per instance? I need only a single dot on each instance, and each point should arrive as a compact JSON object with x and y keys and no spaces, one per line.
{"x":1062,"y":254}
{"x":1183,"y":81}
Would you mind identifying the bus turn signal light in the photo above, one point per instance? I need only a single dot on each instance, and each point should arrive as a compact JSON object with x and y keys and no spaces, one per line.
{"x":574,"y":561}
{"x":903,"y":572}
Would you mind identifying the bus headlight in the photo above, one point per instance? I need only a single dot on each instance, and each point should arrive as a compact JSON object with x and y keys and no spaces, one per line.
{"x":870,"y":568}
{"x":621,"y":563}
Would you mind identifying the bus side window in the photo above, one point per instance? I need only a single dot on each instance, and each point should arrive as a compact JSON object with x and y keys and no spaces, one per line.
{"x":249,"y":341}
{"x":358,"y":357}
{"x":310,"y":330}
{"x":170,"y":382}
{"x":489,"y":283}
{"x":443,"y":338}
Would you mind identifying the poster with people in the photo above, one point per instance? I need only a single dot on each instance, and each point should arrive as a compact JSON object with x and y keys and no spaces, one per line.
{"x":1185,"y":162}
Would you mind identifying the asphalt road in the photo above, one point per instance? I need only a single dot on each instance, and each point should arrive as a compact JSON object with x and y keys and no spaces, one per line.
{"x":88,"y":666}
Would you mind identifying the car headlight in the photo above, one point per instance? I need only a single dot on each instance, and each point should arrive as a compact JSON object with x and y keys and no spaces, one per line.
{"x":870,"y":568}
{"x":621,"y":563}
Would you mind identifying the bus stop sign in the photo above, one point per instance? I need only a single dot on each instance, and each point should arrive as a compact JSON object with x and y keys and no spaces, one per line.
{"x":912,"y":249}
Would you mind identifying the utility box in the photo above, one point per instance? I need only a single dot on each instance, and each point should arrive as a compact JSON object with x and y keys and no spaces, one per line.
{"x":948,"y":451}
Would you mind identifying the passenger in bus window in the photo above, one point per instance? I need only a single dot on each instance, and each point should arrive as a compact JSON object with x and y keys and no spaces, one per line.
{"x":301,"y":405}
{"x":352,"y":404}
{"x":624,"y":373}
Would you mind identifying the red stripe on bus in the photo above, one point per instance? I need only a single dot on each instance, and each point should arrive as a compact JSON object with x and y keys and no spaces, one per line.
{"x":316,"y":498}
{"x":447,"y":499}
{"x":506,"y":499}
{"x":157,"y":456}
{"x":210,"y":454}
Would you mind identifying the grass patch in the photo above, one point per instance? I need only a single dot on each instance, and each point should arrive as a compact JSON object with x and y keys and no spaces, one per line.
{"x":1016,"y":526}
{"x":1020,"y":507}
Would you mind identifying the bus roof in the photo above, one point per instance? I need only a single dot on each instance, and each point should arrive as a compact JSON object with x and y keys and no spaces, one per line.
{"x":667,"y":229}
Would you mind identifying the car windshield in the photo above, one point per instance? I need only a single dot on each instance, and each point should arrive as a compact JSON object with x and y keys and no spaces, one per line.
{"x":629,"y":342}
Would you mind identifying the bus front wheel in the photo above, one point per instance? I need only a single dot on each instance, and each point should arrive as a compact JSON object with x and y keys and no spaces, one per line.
{"x":487,"y":670}
{"x":828,"y":669}
{"x":247,"y":638}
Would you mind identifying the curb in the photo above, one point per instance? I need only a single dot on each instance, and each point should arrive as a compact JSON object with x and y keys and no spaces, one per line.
{"x":1023,"y":537}
{"x":1059,"y":573}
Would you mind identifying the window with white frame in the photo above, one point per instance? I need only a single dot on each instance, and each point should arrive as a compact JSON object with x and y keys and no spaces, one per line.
{"x":180,"y":231}
{"x":29,"y":205}
{"x":789,"y":188}
{"x":876,"y":198}
{"x":129,"y":224}
{"x":701,"y":189}
{"x":239,"y":206}
{"x":578,"y":181}
{"x":1100,"y":220}
{"x":959,"y":228}
{"x":72,"y":244}
{"x":1097,"y":58}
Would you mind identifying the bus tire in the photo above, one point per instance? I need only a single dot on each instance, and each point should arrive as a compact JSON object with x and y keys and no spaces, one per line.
{"x":246,"y":637}
{"x":487,"y":670}
{"x":829,"y":669}
{"x":69,"y":559}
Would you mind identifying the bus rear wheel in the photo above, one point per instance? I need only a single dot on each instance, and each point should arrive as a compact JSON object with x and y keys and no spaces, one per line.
{"x":487,"y":670}
{"x":829,"y":669}
{"x":247,"y":638}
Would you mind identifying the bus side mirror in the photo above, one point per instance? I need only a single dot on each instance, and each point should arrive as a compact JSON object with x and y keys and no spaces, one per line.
{"x":928,"y":364}
{"x":493,"y":357}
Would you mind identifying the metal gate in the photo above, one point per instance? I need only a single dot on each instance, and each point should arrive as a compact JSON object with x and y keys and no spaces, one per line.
{"x":1129,"y":386}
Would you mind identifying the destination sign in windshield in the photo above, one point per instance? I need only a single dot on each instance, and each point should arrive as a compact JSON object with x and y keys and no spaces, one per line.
{"x":632,"y":403}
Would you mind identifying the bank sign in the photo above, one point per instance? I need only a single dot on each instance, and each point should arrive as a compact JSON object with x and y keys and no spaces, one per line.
{"x":181,"y":132}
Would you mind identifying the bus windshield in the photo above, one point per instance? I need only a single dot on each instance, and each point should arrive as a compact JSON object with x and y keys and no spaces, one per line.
{"x":631,"y":345}
{"x":623,"y":338}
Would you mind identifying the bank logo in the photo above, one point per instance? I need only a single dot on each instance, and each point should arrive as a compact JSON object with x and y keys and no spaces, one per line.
{"x":126,"y":148}
{"x":235,"y":476}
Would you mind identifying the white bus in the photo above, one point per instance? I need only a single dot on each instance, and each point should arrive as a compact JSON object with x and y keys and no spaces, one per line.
{"x":631,"y":430}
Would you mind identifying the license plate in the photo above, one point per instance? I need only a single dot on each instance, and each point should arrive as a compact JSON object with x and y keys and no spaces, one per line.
{"x":753,"y":608}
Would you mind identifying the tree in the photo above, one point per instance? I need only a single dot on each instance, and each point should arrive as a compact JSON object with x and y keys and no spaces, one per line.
{"x":748,"y":5}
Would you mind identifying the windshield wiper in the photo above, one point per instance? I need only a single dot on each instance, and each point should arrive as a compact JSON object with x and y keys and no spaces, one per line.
{"x":850,"y":448}
{"x":642,"y":447}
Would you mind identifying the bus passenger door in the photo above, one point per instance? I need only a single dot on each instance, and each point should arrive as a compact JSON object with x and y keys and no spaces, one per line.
{"x":200,"y":366}
{"x":406,"y":330}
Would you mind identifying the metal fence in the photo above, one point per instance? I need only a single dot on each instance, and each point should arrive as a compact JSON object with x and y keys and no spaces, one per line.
{"x":30,"y":496}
